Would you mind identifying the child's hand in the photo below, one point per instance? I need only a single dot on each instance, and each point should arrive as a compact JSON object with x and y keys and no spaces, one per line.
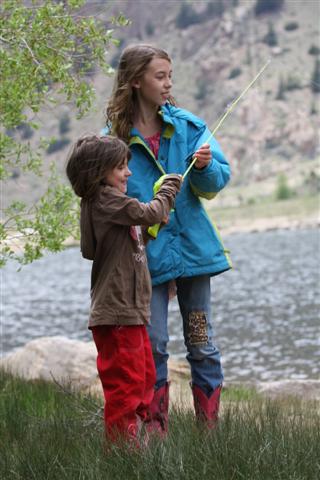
{"x":173,"y":178}
{"x":203,"y":155}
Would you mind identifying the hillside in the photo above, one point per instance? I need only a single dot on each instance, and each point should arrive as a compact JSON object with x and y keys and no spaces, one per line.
{"x":272,"y":131}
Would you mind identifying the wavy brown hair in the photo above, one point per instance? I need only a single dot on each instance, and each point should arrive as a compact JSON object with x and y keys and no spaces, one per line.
{"x":133,"y":64}
{"x":91,"y":158}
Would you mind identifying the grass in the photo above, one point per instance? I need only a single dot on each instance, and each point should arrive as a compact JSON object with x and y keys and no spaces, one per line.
{"x":49,"y":432}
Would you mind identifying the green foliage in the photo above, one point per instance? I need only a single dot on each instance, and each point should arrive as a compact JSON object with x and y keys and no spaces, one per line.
{"x":268,"y":6}
{"x":291,"y":26}
{"x":45,"y":225}
{"x":271,"y":38}
{"x":47,"y":49}
{"x":315,"y":80}
{"x":283,"y":191}
{"x":53,"y":432}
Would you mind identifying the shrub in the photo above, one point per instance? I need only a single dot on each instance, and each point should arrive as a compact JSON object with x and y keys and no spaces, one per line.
{"x":268,"y":6}
{"x":215,"y":8}
{"x":64,"y":124}
{"x":281,"y":89}
{"x":58,"y":145}
{"x":202,"y":89}
{"x":186,"y":16}
{"x":314,"y":50}
{"x":291,"y":26}
{"x":25,"y":130}
{"x":235,"y":72}
{"x":315,"y":79}
{"x":283,"y":191}
{"x":293,"y":83}
{"x":271,"y":37}
{"x":149,"y":29}
{"x":312,"y":182}
{"x":313,"y":108}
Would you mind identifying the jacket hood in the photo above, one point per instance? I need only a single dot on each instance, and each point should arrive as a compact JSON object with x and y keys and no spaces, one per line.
{"x":88,"y":241}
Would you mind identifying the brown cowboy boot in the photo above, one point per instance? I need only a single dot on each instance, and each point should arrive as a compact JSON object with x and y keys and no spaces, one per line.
{"x":206,"y":408}
{"x":158,"y":411}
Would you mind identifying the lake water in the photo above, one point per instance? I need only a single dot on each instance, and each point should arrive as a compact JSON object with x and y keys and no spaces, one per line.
{"x":266,"y":309}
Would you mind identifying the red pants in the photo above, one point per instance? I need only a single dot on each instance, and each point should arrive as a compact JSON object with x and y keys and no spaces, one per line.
{"x":127,"y":373}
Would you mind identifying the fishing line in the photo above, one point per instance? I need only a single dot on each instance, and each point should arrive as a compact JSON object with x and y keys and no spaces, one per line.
{"x":229,"y":110}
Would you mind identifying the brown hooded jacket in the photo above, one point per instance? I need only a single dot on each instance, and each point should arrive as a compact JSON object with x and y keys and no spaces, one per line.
{"x":111,"y":237}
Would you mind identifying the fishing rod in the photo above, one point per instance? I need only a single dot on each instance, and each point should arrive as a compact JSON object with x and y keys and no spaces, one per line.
{"x":228,"y":111}
{"x":154,"y":229}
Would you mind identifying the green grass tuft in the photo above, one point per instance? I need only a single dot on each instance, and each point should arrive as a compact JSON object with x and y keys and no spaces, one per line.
{"x":52,"y":432}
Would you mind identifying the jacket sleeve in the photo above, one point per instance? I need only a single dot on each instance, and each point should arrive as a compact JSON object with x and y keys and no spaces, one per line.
{"x":208,"y":181}
{"x":118,"y":208}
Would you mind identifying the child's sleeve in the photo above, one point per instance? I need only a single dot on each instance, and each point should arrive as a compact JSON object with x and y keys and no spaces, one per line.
{"x":116,"y":207}
{"x":208,"y":181}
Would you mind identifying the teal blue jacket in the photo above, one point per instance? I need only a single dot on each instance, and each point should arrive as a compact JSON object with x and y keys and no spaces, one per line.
{"x":189,"y":244}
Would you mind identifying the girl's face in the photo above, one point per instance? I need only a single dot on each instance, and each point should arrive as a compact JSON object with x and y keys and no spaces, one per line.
{"x":118,"y":177}
{"x":154,"y":86}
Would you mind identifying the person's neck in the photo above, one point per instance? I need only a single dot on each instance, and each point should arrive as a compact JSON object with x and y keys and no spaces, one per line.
{"x":147,"y":120}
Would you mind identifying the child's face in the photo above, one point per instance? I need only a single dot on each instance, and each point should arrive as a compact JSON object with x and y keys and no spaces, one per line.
{"x":155,"y":85}
{"x":118,"y":177}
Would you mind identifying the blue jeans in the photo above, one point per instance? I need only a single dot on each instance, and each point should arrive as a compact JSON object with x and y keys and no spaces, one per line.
{"x":194,"y":301}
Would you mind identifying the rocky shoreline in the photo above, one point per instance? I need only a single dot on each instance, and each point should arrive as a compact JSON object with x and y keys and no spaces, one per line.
{"x":267,"y":224}
{"x":62,"y":360}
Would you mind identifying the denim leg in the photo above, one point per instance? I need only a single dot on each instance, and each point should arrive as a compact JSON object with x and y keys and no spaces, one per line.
{"x":204,"y":358}
{"x":158,"y":332}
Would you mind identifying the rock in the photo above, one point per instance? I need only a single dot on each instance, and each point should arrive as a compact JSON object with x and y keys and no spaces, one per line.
{"x":304,"y":389}
{"x":64,"y":360}
{"x":74,"y":361}
{"x":58,"y":358}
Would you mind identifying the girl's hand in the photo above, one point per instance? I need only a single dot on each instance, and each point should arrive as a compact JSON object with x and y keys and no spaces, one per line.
{"x":203,"y":155}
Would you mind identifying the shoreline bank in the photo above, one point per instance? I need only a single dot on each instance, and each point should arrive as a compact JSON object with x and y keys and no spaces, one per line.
{"x":61,"y":359}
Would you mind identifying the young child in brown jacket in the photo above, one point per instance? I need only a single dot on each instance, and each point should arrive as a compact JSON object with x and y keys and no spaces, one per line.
{"x":112,"y":237}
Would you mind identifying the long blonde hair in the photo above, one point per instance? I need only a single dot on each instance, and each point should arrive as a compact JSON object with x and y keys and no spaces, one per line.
{"x":133,"y":64}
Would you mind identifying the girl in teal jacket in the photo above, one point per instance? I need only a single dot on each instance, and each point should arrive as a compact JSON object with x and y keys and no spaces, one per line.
{"x":188,"y":250}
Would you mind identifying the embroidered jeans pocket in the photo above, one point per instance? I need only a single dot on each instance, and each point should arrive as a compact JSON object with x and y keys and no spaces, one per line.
{"x":197,"y":333}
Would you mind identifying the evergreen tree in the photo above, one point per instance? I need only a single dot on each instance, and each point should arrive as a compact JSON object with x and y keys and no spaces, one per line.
{"x":271,"y":37}
{"x":268,"y":6}
{"x":315,"y":80}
